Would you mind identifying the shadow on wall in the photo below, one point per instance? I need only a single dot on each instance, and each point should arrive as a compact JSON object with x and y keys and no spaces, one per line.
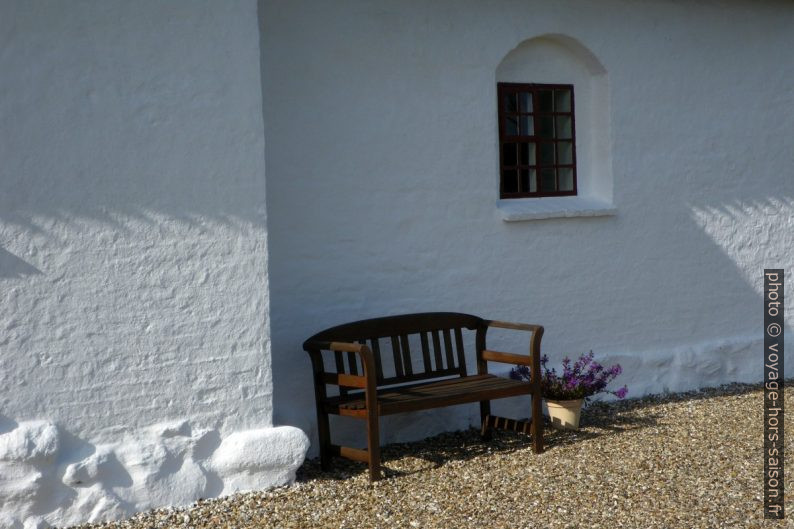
{"x":12,"y":267}
{"x":7,"y":424}
{"x":750,"y":232}
{"x":691,"y":322}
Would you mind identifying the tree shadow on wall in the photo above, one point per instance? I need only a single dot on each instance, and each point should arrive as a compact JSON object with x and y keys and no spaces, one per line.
{"x":12,"y":267}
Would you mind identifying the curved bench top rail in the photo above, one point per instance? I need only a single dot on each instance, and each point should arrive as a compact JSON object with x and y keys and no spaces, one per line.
{"x":402,"y":324}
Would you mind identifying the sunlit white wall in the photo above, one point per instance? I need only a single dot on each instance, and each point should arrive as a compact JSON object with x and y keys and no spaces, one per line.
{"x":383,"y":180}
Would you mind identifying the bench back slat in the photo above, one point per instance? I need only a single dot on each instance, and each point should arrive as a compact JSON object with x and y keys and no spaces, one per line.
{"x":448,"y":349}
{"x":425,"y":352}
{"x":408,"y":367}
{"x":461,"y":352}
{"x":437,"y":350}
{"x":351,"y":361}
{"x":447,"y":359}
{"x":398,"y":361}
{"x":375,"y":347}
{"x":339,"y":362}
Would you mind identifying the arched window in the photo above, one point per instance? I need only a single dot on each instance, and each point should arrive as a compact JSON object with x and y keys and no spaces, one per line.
{"x":553,"y":122}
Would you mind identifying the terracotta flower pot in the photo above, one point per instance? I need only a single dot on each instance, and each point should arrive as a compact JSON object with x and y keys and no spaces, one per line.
{"x":565,"y":413}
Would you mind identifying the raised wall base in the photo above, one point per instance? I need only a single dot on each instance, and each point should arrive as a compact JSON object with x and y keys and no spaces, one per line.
{"x":652,"y":371}
{"x":48,"y":476}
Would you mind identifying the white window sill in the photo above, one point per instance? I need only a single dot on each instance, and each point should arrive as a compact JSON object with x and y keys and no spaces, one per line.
{"x":520,"y":209}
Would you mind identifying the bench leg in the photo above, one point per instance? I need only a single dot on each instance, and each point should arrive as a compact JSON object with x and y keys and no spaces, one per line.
{"x":485,"y":411}
{"x":324,"y":435}
{"x":373,"y":445}
{"x":537,"y":426}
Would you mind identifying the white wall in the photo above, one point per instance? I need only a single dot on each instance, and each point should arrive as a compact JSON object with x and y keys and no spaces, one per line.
{"x":382,"y":183}
{"x":134,"y":313}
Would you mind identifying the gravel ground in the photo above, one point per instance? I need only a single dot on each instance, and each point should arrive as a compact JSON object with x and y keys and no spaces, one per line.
{"x":686,"y":460}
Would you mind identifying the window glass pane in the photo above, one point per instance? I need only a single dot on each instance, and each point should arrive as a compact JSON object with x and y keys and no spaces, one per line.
{"x":511,"y":125}
{"x":562,"y":100}
{"x":509,"y":154}
{"x":547,"y":182}
{"x":510,"y":181}
{"x":536,"y":140}
{"x":524,"y":180}
{"x":525,"y":101}
{"x":546,"y":127}
{"x":510,"y":103}
{"x":564,"y":152}
{"x":546,"y":153}
{"x":563,"y":127}
{"x":544,"y":101}
{"x":527,"y":126}
{"x":565,"y":177}
{"x":528,"y":154}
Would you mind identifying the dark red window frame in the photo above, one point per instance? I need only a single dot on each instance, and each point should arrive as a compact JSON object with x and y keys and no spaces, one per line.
{"x":537,"y":140}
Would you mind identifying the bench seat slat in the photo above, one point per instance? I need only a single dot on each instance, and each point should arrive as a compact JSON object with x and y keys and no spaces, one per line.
{"x":391,"y":381}
{"x":449,"y":392}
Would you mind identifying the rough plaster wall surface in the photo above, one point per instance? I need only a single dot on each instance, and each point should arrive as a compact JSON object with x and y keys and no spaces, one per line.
{"x":134,"y":313}
{"x":382,"y":185}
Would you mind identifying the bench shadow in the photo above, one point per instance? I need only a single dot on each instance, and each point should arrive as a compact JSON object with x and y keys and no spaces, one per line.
{"x":599,"y":419}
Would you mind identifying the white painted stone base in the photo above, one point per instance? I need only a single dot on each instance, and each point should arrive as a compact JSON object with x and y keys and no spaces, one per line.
{"x":677,"y":369}
{"x":702,"y":364}
{"x":47,"y":476}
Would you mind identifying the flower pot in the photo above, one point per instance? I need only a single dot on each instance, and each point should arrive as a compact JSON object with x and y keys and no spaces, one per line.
{"x":565,"y":414}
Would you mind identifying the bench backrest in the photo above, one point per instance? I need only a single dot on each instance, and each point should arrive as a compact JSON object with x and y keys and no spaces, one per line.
{"x":439,"y":345}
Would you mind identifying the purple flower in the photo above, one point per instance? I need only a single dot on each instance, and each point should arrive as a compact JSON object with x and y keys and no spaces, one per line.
{"x":582,"y":379}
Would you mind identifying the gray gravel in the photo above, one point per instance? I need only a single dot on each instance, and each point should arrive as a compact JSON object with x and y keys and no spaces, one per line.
{"x":677,"y":461}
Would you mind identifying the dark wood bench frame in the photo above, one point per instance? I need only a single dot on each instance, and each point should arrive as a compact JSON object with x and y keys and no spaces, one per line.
{"x":366,"y":394}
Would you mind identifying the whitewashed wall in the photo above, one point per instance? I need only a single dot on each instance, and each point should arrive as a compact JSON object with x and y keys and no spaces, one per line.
{"x":382,"y":184}
{"x":134,"y":331}
{"x":135,"y":363}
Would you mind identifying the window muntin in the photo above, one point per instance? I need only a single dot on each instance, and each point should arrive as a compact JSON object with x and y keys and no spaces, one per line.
{"x":537,"y":149}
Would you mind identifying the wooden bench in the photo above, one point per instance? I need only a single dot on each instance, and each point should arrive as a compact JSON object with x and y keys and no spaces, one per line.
{"x":433,"y":375}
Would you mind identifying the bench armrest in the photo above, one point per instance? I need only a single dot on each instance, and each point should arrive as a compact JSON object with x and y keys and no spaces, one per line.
{"x":343,"y":379}
{"x":531,"y":360}
{"x":515,"y":326}
{"x":507,"y":358}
